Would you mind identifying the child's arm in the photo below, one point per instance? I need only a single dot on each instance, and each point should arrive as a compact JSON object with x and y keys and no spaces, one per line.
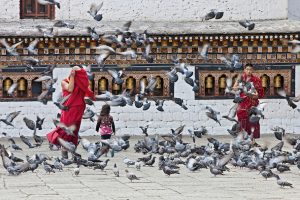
{"x":98,"y":124}
{"x":113,"y":126}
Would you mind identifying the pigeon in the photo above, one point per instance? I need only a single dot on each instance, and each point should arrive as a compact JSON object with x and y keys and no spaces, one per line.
{"x":47,"y":32}
{"x":102,"y":165}
{"x":211,"y":113}
{"x":247,"y":24}
{"x":61,"y":23}
{"x":233,"y":63}
{"x":94,"y":9}
{"x":138,"y":100}
{"x":204,"y":51}
{"x":12,"y":89}
{"x":168,"y":171}
{"x":146,"y":104}
{"x":283,"y":183}
{"x":31,"y":63}
{"x":93,"y":33}
{"x":60,"y":102}
{"x":278,"y":132}
{"x":192,"y":134}
{"x":48,"y":168}
{"x":67,"y":145}
{"x":68,"y":129}
{"x":173,"y":77}
{"x":138,"y":165}
{"x":146,"y":54}
{"x":116,"y":170}
{"x":31,"y":48}
{"x":183,"y":69}
{"x":26,"y":141}
{"x":232,"y":113}
{"x":29,"y":123}
{"x":159,"y":103}
{"x":151,"y":85}
{"x":76,"y":170}
{"x":145,"y":129}
{"x":49,"y":2}
{"x":179,"y":101}
{"x":215,"y":171}
{"x":10,"y":49}
{"x":150,"y":162}
{"x":289,"y":99}
{"x":39,"y":122}
{"x":128,"y":162}
{"x":131,"y":176}
{"x":214,"y":14}
{"x":116,"y":76}
{"x":10,"y":117}
{"x":14,"y":145}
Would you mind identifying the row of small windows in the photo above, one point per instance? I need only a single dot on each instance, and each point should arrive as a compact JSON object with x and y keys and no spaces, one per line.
{"x":211,"y":83}
{"x":131,"y":84}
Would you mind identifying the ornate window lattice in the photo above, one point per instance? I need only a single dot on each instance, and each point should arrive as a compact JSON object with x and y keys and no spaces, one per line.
{"x":134,"y":75}
{"x":28,"y":90}
{"x":212,"y":80}
{"x":31,"y":9}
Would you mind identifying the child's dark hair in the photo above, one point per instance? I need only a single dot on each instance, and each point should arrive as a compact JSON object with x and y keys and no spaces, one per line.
{"x":248,"y":65}
{"x":105,"y":110}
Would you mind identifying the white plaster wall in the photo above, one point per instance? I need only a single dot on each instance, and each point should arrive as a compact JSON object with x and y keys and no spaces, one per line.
{"x":129,"y":118}
{"x":10,"y":9}
{"x":159,"y":10}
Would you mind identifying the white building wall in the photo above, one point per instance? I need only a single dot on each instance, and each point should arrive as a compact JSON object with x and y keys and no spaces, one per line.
{"x":129,"y":118}
{"x":158,"y":10}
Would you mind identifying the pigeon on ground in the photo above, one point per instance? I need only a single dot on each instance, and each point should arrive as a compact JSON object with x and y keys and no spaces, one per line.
{"x":116,"y":170}
{"x":283,"y":183}
{"x":14,"y":145}
{"x":76,"y":170}
{"x":131,"y":176}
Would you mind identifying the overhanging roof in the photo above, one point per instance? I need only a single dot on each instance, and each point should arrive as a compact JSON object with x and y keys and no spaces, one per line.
{"x":27,"y":27}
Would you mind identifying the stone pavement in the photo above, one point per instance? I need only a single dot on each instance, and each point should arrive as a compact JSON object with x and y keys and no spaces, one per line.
{"x":153,"y":184}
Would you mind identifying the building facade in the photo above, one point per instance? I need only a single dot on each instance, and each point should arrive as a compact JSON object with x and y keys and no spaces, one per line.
{"x":179,"y":30}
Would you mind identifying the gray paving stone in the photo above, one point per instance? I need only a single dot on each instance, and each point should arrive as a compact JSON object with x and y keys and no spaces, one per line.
{"x":238,"y":183}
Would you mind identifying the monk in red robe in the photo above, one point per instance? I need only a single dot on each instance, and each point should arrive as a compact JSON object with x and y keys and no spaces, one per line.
{"x":249,"y":101}
{"x":77,"y":84}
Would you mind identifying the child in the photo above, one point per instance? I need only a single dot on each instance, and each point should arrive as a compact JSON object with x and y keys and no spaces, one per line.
{"x":105,"y":123}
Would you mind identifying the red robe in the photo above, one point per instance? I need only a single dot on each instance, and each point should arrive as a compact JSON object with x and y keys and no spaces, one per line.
{"x":246,"y":104}
{"x":76,"y":109}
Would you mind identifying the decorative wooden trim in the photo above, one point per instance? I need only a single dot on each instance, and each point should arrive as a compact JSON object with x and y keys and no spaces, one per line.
{"x":286,"y":71}
{"x":15,"y":73}
{"x":268,"y":48}
{"x":137,"y":72}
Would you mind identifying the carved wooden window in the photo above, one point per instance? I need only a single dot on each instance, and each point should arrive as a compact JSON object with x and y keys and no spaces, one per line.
{"x":27,"y":89}
{"x":31,"y":9}
{"x":212,"y":80}
{"x":132,"y":80}
{"x":37,"y":87}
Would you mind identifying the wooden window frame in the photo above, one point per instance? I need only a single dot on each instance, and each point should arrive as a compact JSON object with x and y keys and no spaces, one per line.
{"x":136,"y":72}
{"x":49,"y":14}
{"x":216,"y":70}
